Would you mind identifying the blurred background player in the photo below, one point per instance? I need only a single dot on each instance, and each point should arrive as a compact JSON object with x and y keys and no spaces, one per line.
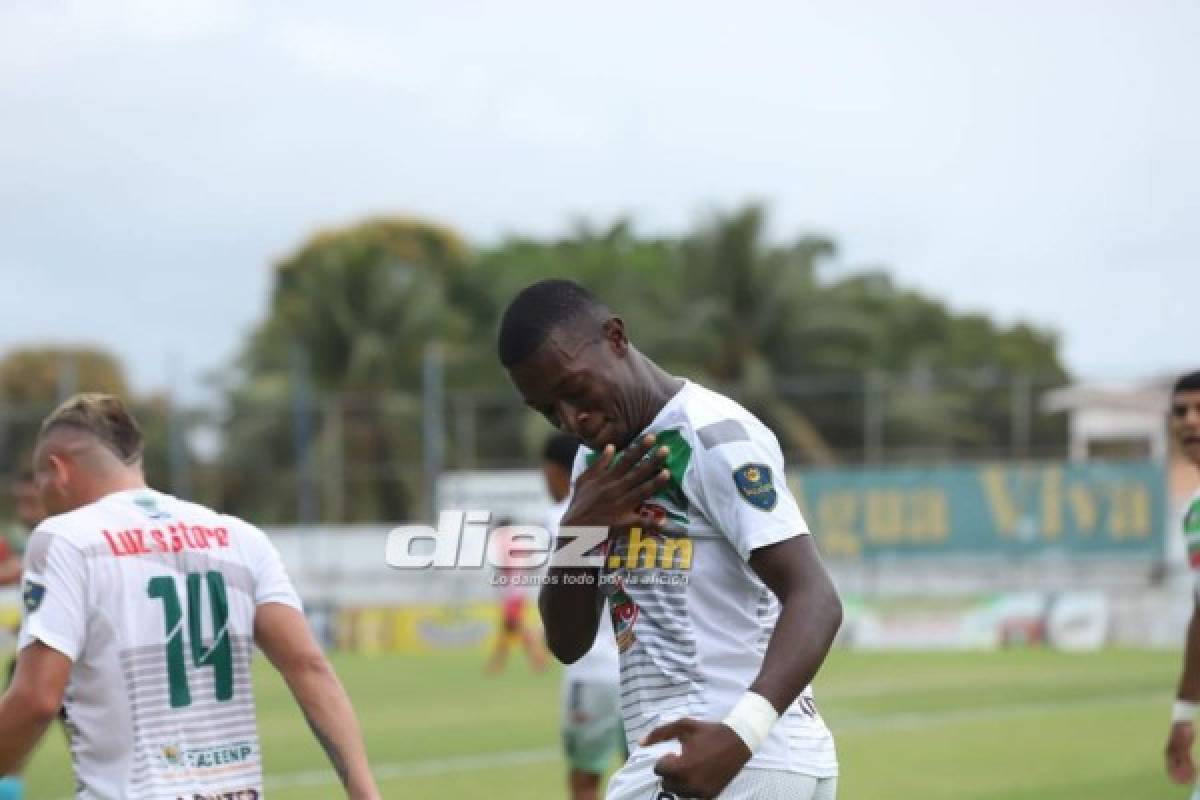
{"x":1185,"y":429}
{"x":28,"y":507}
{"x":513,"y":598}
{"x":591,"y":710}
{"x":147,"y":607}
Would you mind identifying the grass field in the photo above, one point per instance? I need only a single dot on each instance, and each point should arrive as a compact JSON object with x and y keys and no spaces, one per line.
{"x":1019,"y":725}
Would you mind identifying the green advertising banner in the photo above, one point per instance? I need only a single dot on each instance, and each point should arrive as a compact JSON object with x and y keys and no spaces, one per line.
{"x":981,"y":509}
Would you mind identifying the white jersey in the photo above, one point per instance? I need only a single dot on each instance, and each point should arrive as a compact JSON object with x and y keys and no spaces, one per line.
{"x":600,"y":664}
{"x":692,"y":629}
{"x":153,"y":600}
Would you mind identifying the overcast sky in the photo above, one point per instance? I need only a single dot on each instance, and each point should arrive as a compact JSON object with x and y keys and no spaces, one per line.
{"x":1035,"y":160}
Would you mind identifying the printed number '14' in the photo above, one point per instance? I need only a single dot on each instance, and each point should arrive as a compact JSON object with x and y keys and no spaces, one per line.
{"x":218,"y":655}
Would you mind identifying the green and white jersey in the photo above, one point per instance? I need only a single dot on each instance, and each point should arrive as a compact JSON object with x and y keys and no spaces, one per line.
{"x":691,"y":619}
{"x":153,"y":600}
{"x":1191,"y":535}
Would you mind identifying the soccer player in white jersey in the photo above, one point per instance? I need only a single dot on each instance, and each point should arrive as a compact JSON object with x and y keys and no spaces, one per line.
{"x":1185,"y":426}
{"x":591,"y":712}
{"x":140,"y":615}
{"x":721,"y":608}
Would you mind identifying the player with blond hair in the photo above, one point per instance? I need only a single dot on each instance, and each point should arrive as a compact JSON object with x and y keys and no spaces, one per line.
{"x":141,"y":612}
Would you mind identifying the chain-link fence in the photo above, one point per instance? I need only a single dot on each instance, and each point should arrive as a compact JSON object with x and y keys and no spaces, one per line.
{"x":303,"y":456}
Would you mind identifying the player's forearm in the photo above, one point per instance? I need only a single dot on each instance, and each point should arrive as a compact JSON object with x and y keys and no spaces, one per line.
{"x":331,"y":717}
{"x":1189,"y":681}
{"x":570,"y":604}
{"x":808,"y":622}
{"x":22,"y":723}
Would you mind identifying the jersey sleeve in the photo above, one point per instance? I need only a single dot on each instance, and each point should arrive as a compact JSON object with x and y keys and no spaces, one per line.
{"x":271,"y":581}
{"x":578,"y":467}
{"x":739,"y":483}
{"x":54,"y":592}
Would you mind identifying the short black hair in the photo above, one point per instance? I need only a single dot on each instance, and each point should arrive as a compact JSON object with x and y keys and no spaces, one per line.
{"x":535,"y":311}
{"x":1187,"y":383}
{"x":560,"y":449}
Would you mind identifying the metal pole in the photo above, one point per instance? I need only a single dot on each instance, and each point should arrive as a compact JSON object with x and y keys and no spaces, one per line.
{"x":177,"y":453}
{"x":68,"y":376}
{"x":334,"y":468}
{"x":873,"y":417}
{"x":1022,"y":415}
{"x":306,"y":508}
{"x":464,"y":427}
{"x":433,"y":424}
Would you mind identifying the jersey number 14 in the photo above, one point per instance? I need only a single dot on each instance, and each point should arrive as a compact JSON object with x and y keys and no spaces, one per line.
{"x":218,"y":654}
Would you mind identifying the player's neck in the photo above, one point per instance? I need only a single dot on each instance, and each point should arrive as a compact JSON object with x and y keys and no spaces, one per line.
{"x":652,"y":388}
{"x":111,"y":484}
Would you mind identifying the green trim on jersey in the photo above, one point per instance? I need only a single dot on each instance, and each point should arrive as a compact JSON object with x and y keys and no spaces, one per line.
{"x":679,"y":458}
{"x":1191,"y":532}
{"x":1191,"y":520}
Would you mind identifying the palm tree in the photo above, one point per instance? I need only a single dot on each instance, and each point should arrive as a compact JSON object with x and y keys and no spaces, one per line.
{"x":359,"y":306}
{"x":750,"y":312}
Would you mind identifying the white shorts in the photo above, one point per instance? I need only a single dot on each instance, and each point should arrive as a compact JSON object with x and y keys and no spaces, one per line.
{"x":750,"y":784}
{"x":591,"y":725}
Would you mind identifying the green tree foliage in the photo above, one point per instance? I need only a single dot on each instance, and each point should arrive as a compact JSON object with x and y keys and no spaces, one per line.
{"x":363,"y":302}
{"x":351,"y":314}
{"x":814,"y":352}
{"x":767,"y":324}
{"x":34,"y":380}
{"x":39,"y":377}
{"x":950,"y":382}
{"x":752,"y":307}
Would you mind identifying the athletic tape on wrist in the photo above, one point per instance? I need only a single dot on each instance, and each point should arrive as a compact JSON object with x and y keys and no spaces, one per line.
{"x":1184,"y":711}
{"x":751,"y":719}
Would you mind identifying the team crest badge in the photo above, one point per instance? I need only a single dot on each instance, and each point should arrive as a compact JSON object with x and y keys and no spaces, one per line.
{"x":624,"y":617}
{"x":33,"y":595}
{"x":755,"y":485}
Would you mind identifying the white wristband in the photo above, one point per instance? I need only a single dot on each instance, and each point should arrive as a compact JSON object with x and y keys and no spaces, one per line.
{"x":1184,"y":711}
{"x":751,"y":719}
